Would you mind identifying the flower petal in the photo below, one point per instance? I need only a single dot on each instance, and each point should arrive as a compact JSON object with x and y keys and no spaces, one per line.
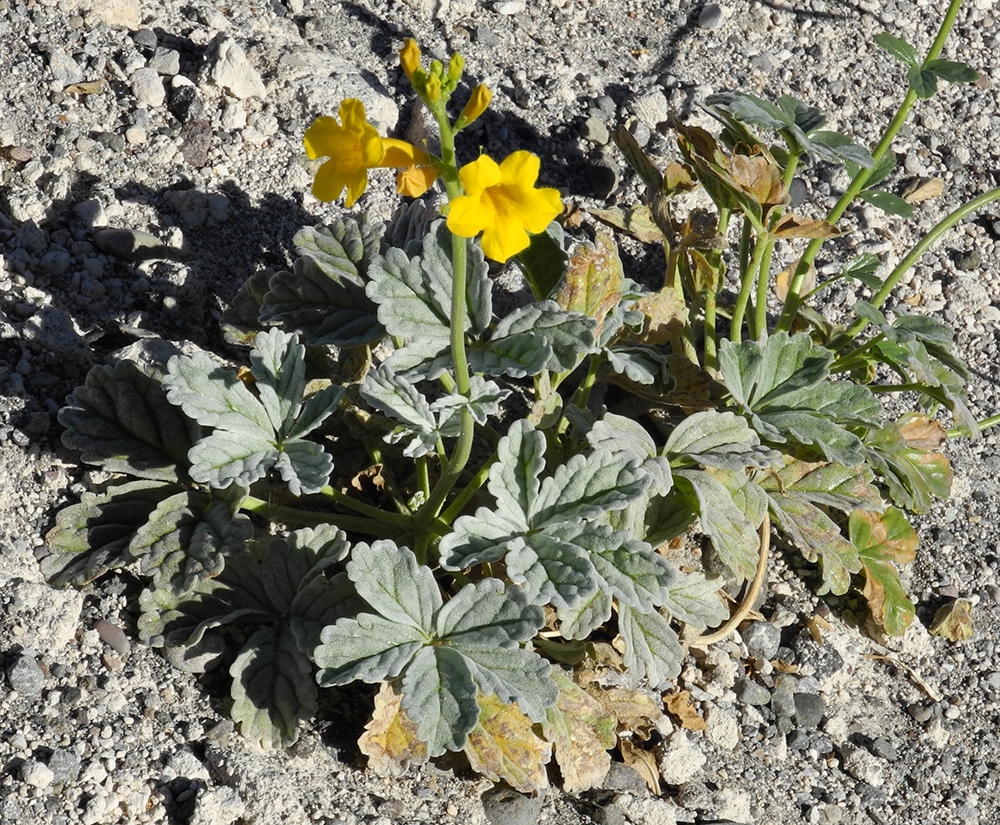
{"x":329,"y":182}
{"x":520,"y":168}
{"x":503,"y":240}
{"x":323,"y":138}
{"x":479,"y":175}
{"x":538,"y":211}
{"x":468,"y":216}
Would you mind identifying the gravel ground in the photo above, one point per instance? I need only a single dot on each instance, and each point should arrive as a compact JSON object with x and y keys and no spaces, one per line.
{"x":185,"y":137}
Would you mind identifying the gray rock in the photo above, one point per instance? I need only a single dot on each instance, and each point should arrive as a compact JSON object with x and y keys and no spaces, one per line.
{"x":651,"y":107}
{"x":148,"y":87}
{"x":861,"y":765}
{"x":883,"y":749}
{"x":113,"y":636}
{"x":65,"y":70}
{"x":920,"y":712}
{"x":596,"y":131}
{"x":132,"y":245}
{"x":604,"y":176}
{"x":711,"y":16}
{"x":54,"y":329}
{"x":65,"y":765}
{"x":232,"y":70}
{"x":505,"y":806}
{"x":762,"y":640}
{"x":823,"y":659}
{"x":750,"y":693}
{"x":92,"y":213}
{"x":679,"y":759}
{"x":809,"y":710}
{"x":25,"y":676}
{"x":165,"y":61}
{"x":621,"y":777}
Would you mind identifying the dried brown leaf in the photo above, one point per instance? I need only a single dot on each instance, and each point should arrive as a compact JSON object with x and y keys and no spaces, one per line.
{"x":922,"y":189}
{"x":953,"y":621}
{"x":784,"y":280}
{"x":921,"y":432}
{"x":760,"y":177}
{"x":682,"y":708}
{"x":793,"y":226}
{"x":636,"y":221}
{"x":643,"y":762}
{"x":87,"y":87}
{"x":390,"y":739}
{"x":594,"y":278}
{"x":582,"y":732}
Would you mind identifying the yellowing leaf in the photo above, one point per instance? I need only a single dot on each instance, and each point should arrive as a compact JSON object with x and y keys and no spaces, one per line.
{"x":390,"y":739}
{"x":677,"y":178}
{"x":680,"y":705}
{"x":792,"y":226}
{"x":503,"y":746}
{"x":636,"y":221}
{"x":760,"y":177}
{"x":953,"y":621}
{"x":884,"y":540}
{"x":701,"y":231}
{"x":635,"y":711}
{"x":643,"y":762}
{"x":666,"y":315}
{"x":594,"y":278}
{"x":581,"y":732}
{"x":923,"y":189}
{"x":922,"y":432}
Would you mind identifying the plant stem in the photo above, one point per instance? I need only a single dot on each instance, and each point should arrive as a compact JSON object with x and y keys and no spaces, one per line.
{"x":746,"y":285}
{"x":398,"y":519}
{"x":892,"y":280}
{"x":794,"y":299}
{"x":293,"y":515}
{"x":983,"y":425}
{"x":763,"y":281}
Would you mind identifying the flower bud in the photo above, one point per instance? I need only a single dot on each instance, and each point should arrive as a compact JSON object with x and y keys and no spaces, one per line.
{"x":475,"y":106}
{"x":432,"y":87}
{"x":455,"y":67}
{"x":409,"y":57}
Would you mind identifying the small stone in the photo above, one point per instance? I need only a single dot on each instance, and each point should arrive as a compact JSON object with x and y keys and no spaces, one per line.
{"x":651,"y":107}
{"x":65,"y":765}
{"x":604,"y":176}
{"x":711,"y":16}
{"x":969,"y":261}
{"x":135,"y":136}
{"x":65,"y":70}
{"x":36,"y":774}
{"x":596,"y":131}
{"x":113,"y":636}
{"x":505,"y":806}
{"x":679,"y":759}
{"x":920,"y":712}
{"x":234,"y":116}
{"x":824,"y":660}
{"x":750,"y":693}
{"x":621,"y":777}
{"x":509,"y":7}
{"x":185,"y":103}
{"x":218,"y":806}
{"x":721,"y":728}
{"x":762,"y":640}
{"x":861,"y":765}
{"x":147,"y":87}
{"x":25,"y":676}
{"x":233,"y":71}
{"x":145,"y":39}
{"x":797,"y":740}
{"x":130,"y":244}
{"x":809,"y":710}
{"x":165,"y":61}
{"x":883,"y":749}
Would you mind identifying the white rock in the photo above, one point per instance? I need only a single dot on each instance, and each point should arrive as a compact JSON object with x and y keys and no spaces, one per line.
{"x":234,"y":116}
{"x":646,"y":811}
{"x":119,"y":14}
{"x":860,"y":764}
{"x":722,"y":729}
{"x":734,"y":806}
{"x":219,"y":806}
{"x":92,"y":213}
{"x":49,"y":616}
{"x":36,"y":774}
{"x":233,"y":71}
{"x":147,"y":87}
{"x":679,"y":759}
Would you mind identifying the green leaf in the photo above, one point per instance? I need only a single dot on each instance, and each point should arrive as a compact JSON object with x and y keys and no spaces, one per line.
{"x":584,"y":617}
{"x":212,"y":395}
{"x":273,"y":690}
{"x":862,"y":268}
{"x":838,"y":148}
{"x":588,"y":486}
{"x":885,"y":540}
{"x":693,"y":599}
{"x":399,"y":399}
{"x":278,"y":363}
{"x":390,"y":580}
{"x":438,"y":268}
{"x":232,"y":457}
{"x":890,"y":204}
{"x":92,"y":537}
{"x":628,"y":569}
{"x":733,"y":535}
{"x":913,"y":476}
{"x":898,"y":48}
{"x":551,"y":568}
{"x":718,"y":439}
{"x":807,"y":118}
{"x":324,"y":297}
{"x":412,"y":303}
{"x":515,"y":477}
{"x":922,"y":81}
{"x":544,"y":261}
{"x":187,"y":539}
{"x":290,"y":563}
{"x":439,"y":694}
{"x":755,"y":111}
{"x":120,"y":420}
{"x":829,"y":485}
{"x":366,"y":647}
{"x":643,"y":365}
{"x":569,"y":334}
{"x":485,"y":398}
{"x":952,"y":71}
{"x":651,"y":647}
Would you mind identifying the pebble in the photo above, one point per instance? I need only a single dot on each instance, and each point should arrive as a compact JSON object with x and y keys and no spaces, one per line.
{"x":505,"y":806}
{"x":233,"y":71}
{"x":809,"y":710}
{"x":166,"y":61}
{"x":509,"y":8}
{"x":711,"y":16}
{"x":130,"y":244}
{"x":113,"y":636}
{"x":148,"y":87}
{"x":750,"y":692}
{"x":25,"y":676}
{"x":762,"y":640}
{"x":680,"y":760}
{"x":65,"y":70}
{"x":595,"y":130}
{"x":36,"y":774}
{"x":860,"y":764}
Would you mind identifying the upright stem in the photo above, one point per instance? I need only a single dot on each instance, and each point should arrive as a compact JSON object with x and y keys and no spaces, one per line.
{"x":794,"y":299}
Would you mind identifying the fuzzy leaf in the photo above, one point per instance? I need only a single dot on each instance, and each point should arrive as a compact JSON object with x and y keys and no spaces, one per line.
{"x":651,"y":647}
{"x":829,"y":485}
{"x":914,"y":477}
{"x":187,"y":539}
{"x":273,"y":689}
{"x":569,"y":334}
{"x":277,"y":361}
{"x":233,"y":457}
{"x":482,"y":537}
{"x":581,"y":732}
{"x":213,"y":395}
{"x":898,"y":48}
{"x":324,"y":298}
{"x":391,"y":581}
{"x":544,"y":261}
{"x":488,"y":614}
{"x":390,"y":739}
{"x":885,"y":540}
{"x":485,"y":398}
{"x":732,"y":534}
{"x":366,"y":647}
{"x":413,"y":302}
{"x":594,"y":279}
{"x":314,"y":411}
{"x":439,"y":694}
{"x":584,"y":617}
{"x":643,"y":365}
{"x":887,"y":202}
{"x":437,"y":265}
{"x":304,"y":466}
{"x":502,"y":746}
{"x":693,"y":599}
{"x":588,"y":486}
{"x":399,"y":399}
{"x":120,"y":420}
{"x":616,"y":433}
{"x":517,"y":356}
{"x":551,"y":568}
{"x":92,"y":537}
{"x":719,"y":439}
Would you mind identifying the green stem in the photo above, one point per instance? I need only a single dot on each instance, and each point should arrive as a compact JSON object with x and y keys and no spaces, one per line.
{"x":746,"y":285}
{"x":338,"y":497}
{"x":794,"y":300}
{"x":983,"y":425}
{"x":478,"y":480}
{"x":763,"y":281}
{"x":293,"y":515}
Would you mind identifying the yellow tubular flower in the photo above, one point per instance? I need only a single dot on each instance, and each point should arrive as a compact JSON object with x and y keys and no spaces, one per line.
{"x":409,"y":57}
{"x":352,"y":146}
{"x":417,"y":172}
{"x":432,"y":88}
{"x":503,"y":203}
{"x":475,"y":106}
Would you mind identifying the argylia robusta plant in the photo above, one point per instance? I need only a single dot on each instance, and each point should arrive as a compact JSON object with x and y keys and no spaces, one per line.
{"x":476,"y":513}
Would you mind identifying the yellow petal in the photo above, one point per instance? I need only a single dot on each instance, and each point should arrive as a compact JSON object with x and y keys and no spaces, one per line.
{"x":503,"y":240}
{"x":409,"y":57}
{"x":479,"y":175}
{"x":520,"y":168}
{"x":413,"y":181}
{"x":356,"y":185}
{"x":329,"y":182}
{"x":399,"y":154}
{"x":323,"y":137}
{"x":538,"y":211}
{"x":474,"y":106}
{"x":468,"y":216}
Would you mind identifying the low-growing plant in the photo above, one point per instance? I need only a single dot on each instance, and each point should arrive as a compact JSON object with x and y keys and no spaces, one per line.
{"x":479,"y":511}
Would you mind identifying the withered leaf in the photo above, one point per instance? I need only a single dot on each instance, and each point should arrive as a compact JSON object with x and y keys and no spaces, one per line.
{"x":636,"y":221}
{"x":953,"y":621}
{"x":921,"y":432}
{"x":594,"y":278}
{"x":390,"y":739}
{"x":922,"y":189}
{"x":372,"y":475}
{"x":760,"y":177}
{"x":635,"y":711}
{"x":503,"y":746}
{"x":643,"y":762}
{"x":666,"y":315}
{"x":678,"y":178}
{"x":793,"y":226}
{"x":680,"y":706}
{"x":784,"y":280}
{"x":582,"y":732}
{"x":87,"y":87}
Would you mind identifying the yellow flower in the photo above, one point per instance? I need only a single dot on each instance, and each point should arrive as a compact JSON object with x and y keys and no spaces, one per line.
{"x":475,"y":106}
{"x":432,"y":87}
{"x":417,"y":172}
{"x":409,"y":57}
{"x":352,"y":146}
{"x":503,"y":203}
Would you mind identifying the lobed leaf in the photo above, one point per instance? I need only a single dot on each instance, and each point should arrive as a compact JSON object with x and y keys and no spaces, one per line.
{"x":390,"y":739}
{"x":694,"y":600}
{"x":569,"y":334}
{"x":213,"y":395}
{"x":586,"y":487}
{"x":503,"y":747}
{"x":885,"y":540}
{"x":390,"y":580}
{"x":651,"y":647}
{"x":439,"y":694}
{"x":366,"y":647}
